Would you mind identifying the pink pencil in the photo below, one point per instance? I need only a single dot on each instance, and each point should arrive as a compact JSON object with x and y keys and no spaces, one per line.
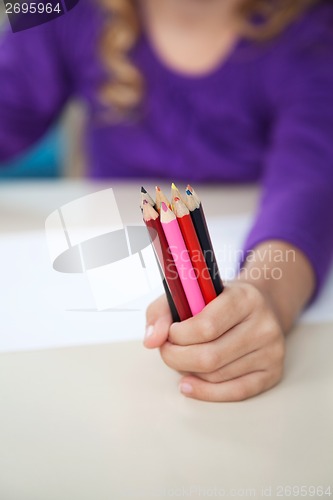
{"x":182,"y":259}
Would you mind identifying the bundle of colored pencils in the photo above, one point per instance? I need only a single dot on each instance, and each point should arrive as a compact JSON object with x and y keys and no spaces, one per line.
{"x":183,"y":248}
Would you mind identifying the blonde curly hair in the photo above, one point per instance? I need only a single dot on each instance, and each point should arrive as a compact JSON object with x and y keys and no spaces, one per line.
{"x":125,"y":88}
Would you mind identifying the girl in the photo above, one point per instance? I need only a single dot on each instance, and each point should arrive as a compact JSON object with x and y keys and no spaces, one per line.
{"x":225,"y":90}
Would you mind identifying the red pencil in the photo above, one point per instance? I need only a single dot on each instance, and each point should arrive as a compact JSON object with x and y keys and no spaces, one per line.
{"x":175,"y":193}
{"x":167,"y":263}
{"x":194,"y":249}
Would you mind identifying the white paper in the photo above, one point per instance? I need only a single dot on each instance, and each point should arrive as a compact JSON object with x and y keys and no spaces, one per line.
{"x":42,"y":308}
{"x":109,"y":286}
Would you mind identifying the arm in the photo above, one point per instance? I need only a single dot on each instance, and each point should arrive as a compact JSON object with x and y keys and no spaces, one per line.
{"x":284,"y":276}
{"x":296,"y":205}
{"x":235,"y":347}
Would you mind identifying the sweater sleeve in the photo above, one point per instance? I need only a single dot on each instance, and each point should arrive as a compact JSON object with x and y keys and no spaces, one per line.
{"x":33,"y":87}
{"x":297,"y":191}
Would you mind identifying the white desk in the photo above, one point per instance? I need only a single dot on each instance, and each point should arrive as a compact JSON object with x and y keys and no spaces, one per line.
{"x":107,"y":422}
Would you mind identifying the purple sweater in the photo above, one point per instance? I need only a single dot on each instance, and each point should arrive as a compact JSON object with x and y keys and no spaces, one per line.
{"x":265,"y":114}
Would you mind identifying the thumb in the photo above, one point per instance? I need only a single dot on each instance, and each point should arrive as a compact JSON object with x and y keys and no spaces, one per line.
{"x":158,"y":321}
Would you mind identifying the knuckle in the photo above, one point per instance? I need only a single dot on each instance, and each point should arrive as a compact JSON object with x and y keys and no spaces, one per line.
{"x":207,"y":361}
{"x":250,"y":292}
{"x":240,"y":297}
{"x":207,"y":329}
{"x":256,"y":297}
{"x":242,"y":291}
{"x":241,"y":392}
{"x":246,"y":389}
{"x":270,"y":330}
{"x":250,"y":296}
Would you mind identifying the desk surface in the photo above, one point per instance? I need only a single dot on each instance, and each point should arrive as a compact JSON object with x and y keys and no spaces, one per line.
{"x":107,"y":422}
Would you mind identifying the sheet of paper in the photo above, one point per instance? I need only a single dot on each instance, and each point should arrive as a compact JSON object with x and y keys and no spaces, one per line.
{"x":42,"y":308}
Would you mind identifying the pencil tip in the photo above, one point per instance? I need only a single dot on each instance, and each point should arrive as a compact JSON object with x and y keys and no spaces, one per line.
{"x":143,"y":190}
{"x":189,"y":187}
{"x":158,"y":188}
{"x":176,"y":199}
{"x":173,"y":186}
{"x":189,"y":192}
{"x":164,"y":207}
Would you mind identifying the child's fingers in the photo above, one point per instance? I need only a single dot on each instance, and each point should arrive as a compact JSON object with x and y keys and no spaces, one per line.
{"x":158,"y":321}
{"x":210,"y":356}
{"x":253,"y":361}
{"x":237,"y":389}
{"x":219,"y":316}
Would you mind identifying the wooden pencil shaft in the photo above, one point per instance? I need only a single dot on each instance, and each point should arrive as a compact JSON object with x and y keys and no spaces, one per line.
{"x":174,"y":313}
{"x":194,"y":194}
{"x":182,"y":259}
{"x":169,"y":268}
{"x":160,"y":198}
{"x":201,"y":228}
{"x":175,"y":193}
{"x":198,"y":260}
{"x":173,"y":309}
{"x":193,"y":231}
{"x":146,"y":196}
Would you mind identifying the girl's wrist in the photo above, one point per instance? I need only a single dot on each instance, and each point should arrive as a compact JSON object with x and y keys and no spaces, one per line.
{"x":284,"y":276}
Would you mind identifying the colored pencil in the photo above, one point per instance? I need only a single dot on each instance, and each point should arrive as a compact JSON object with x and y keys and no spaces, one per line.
{"x":145,"y":196}
{"x":175,"y":193}
{"x":194,"y":249}
{"x":198,"y":217}
{"x":160,"y":197}
{"x":182,"y":259}
{"x":167,"y":264}
{"x":194,"y":194}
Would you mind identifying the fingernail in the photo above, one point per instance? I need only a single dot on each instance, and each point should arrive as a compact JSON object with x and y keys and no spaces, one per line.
{"x":185,"y":388}
{"x":149,"y":331}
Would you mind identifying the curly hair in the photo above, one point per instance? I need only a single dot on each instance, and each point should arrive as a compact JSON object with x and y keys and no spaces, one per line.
{"x":125,"y":88}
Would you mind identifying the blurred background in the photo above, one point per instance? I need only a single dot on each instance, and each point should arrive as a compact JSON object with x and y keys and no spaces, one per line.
{"x":58,"y":153}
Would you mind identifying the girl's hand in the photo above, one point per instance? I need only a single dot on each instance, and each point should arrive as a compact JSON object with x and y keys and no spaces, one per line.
{"x":231,"y":351}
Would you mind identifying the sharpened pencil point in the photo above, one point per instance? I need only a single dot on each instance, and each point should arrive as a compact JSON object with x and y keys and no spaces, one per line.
{"x":143,"y":190}
{"x":158,"y":188}
{"x":189,"y":187}
{"x":189,"y":192}
{"x":173,"y":186}
{"x":176,"y":198}
{"x":164,"y":207}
